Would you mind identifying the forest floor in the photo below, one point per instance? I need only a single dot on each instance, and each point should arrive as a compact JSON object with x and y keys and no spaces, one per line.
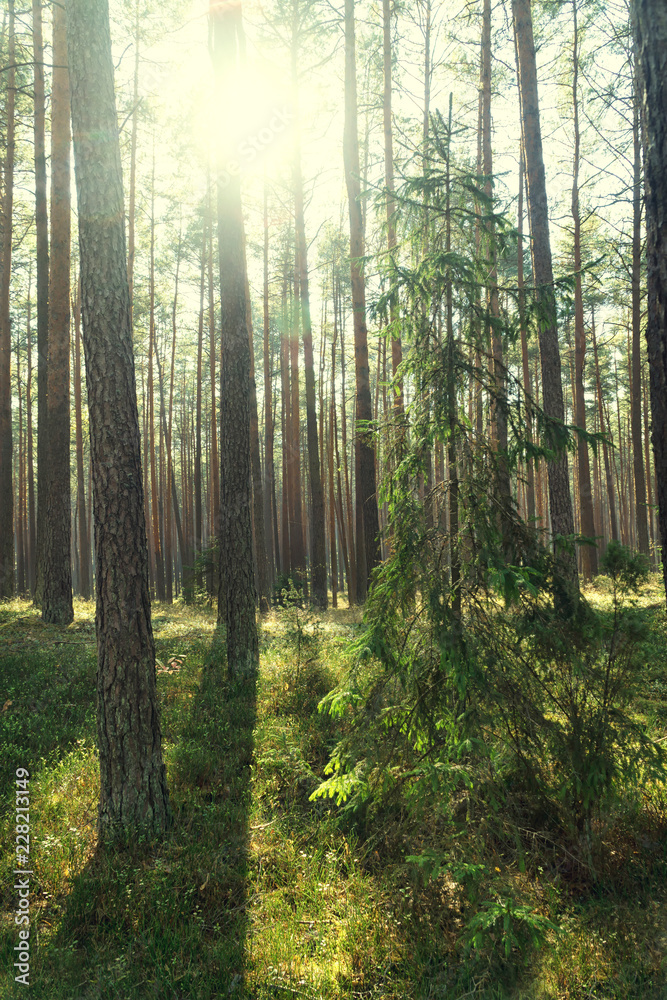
{"x":258,"y":892}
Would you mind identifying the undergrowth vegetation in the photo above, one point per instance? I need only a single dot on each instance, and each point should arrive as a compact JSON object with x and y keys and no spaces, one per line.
{"x":467,"y":872}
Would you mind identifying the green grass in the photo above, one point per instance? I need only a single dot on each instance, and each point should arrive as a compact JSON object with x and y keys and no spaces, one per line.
{"x":260,"y":893}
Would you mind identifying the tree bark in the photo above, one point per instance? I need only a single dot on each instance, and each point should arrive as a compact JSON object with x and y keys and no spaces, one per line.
{"x":396,"y":345}
{"x":605,"y":448}
{"x":57,"y":607}
{"x":270,"y":514}
{"x":636,"y":375}
{"x":317,"y":521}
{"x":6,"y":479}
{"x":588,"y":552}
{"x":84,"y":540}
{"x":499,"y":398}
{"x":368,"y":547}
{"x":560,"y":500}
{"x":237,"y":594}
{"x":42,"y":248}
{"x":133,"y":787}
{"x":527,"y":382}
{"x":650,"y":27}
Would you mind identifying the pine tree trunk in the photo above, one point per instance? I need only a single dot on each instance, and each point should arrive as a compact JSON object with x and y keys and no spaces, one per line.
{"x":6,"y":479}
{"x":270,"y":519}
{"x":527,"y":382}
{"x":589,"y":553}
{"x":499,"y":399}
{"x":198,"y":419}
{"x":396,"y":345}
{"x":133,"y":160}
{"x":32,"y":533}
{"x":57,"y":607}
{"x":368,"y":547}
{"x":84,"y":542}
{"x":636,"y":377}
{"x":560,"y":500}
{"x":317,"y":527}
{"x":42,"y":255}
{"x":20,"y":515}
{"x":605,"y":448}
{"x":133,"y":788}
{"x":215,"y":460}
{"x":298,"y":554}
{"x":261,"y":563}
{"x":237,"y":594}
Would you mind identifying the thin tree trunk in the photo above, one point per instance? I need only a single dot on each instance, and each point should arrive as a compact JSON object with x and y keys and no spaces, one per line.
{"x":263,"y":587}
{"x":133,"y":160}
{"x":6,"y":479}
{"x":560,"y":500}
{"x":20,"y":518}
{"x":527,"y":383}
{"x":589,"y":554}
{"x":84,"y":543}
{"x":269,"y":467}
{"x":636,"y":378}
{"x":57,"y":607}
{"x":396,"y":345}
{"x":155,"y":510}
{"x":605,"y":448}
{"x":499,"y":400}
{"x":31,"y":476}
{"x":368,"y":528}
{"x":198,"y":420}
{"x":42,"y":256}
{"x":215,"y":462}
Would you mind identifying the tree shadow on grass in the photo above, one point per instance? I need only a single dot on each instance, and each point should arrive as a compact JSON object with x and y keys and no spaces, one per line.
{"x":170,"y":920}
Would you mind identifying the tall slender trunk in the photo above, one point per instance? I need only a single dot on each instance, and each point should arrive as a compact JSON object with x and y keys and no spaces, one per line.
{"x":32,"y":534}
{"x":589,"y":553}
{"x":527,"y":382}
{"x":133,"y":159}
{"x":198,"y":419}
{"x":261,"y":562}
{"x":396,"y":345}
{"x":20,"y":514}
{"x":84,"y":541}
{"x":57,"y":607}
{"x":215,"y":463}
{"x":6,"y":479}
{"x":155,"y":509}
{"x":317,"y":520}
{"x":285,"y":429}
{"x":237,"y":593}
{"x":298,"y":556}
{"x":636,"y":376}
{"x":605,"y":447}
{"x":650,"y":29}
{"x":269,"y":468}
{"x":42,"y":257}
{"x":168,"y":547}
{"x":560,"y":500}
{"x":499,"y":397}
{"x":351,"y":548}
{"x":368,"y":528}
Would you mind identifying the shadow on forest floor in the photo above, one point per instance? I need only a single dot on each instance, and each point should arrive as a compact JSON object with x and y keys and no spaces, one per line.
{"x":258,"y":893}
{"x":165,"y":921}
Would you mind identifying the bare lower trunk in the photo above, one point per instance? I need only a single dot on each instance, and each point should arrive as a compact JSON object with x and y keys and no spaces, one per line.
{"x":560,"y":500}
{"x":133,"y":788}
